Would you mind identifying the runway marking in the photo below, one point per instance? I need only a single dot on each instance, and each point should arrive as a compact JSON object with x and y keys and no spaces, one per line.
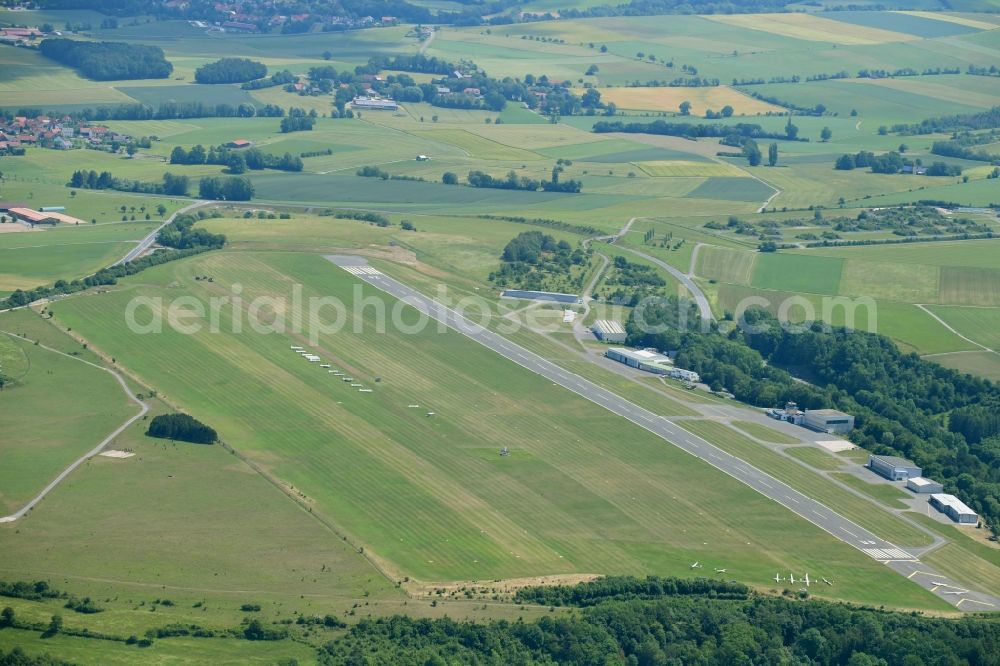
{"x":792,"y":499}
{"x":887,"y":554}
{"x":849,"y":531}
{"x":362,"y":270}
{"x":975,"y":601}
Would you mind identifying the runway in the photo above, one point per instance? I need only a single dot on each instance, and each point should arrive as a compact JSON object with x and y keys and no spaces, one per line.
{"x":816,"y":513}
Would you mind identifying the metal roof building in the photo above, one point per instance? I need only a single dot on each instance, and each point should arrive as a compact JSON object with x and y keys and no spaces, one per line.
{"x":893,"y":468}
{"x":643,"y":359}
{"x":919,"y":484}
{"x":954,"y":508}
{"x":609,"y":331}
{"x":828,"y":420}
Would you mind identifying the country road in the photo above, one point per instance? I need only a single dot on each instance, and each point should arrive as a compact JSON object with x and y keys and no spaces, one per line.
{"x":90,"y":454}
{"x":150,"y":238}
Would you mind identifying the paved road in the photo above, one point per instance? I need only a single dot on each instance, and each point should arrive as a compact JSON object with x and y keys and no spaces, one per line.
{"x":148,"y":241}
{"x":838,"y":526}
{"x":704,"y":309}
{"x":90,"y":454}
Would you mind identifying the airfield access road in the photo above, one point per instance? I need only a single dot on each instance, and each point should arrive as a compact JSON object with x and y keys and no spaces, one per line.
{"x":879,"y":549}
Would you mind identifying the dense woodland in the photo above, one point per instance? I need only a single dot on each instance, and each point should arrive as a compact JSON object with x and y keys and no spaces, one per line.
{"x":673,"y":622}
{"x":108,"y":61}
{"x":531,"y":258}
{"x":902,"y":404}
{"x":181,"y":427}
{"x":230,"y":70}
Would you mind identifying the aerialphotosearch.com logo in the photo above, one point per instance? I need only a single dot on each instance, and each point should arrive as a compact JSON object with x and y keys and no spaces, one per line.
{"x":316,"y":316}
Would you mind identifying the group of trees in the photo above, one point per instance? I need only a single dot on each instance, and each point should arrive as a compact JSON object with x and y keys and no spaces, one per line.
{"x":901,"y":403}
{"x":892,"y":162}
{"x":226,"y":188}
{"x":961,"y":122}
{"x":516,"y":182}
{"x":230,"y":70}
{"x":282,"y":78}
{"x":963,"y":147}
{"x":531,"y":257}
{"x":708,"y":623}
{"x":181,"y":427}
{"x":237,"y":160}
{"x":107,"y":61}
{"x":692,"y":130}
{"x":298,"y":120}
{"x":172,"y":185}
{"x":181,"y":235}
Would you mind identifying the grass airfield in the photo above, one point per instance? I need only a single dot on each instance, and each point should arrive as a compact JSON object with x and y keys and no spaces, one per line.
{"x":327,"y":498}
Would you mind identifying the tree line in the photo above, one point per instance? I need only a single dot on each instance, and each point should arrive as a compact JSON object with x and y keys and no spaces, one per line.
{"x":694,"y":130}
{"x":172,"y":185}
{"x":181,"y":235}
{"x":253,"y":159}
{"x":226,"y":188}
{"x":669,"y":630}
{"x":515,"y":182}
{"x":108,"y":61}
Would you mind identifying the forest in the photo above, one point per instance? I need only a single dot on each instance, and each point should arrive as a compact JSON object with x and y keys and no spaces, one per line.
{"x":672,"y":627}
{"x":901,"y":402}
{"x":108,"y":61}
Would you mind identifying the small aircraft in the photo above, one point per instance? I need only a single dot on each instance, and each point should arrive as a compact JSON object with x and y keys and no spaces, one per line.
{"x":791,"y":578}
{"x":953,"y":592}
{"x":826,"y":581}
{"x":778,"y":578}
{"x":720,"y":571}
{"x":807,"y":580}
{"x":696,"y":565}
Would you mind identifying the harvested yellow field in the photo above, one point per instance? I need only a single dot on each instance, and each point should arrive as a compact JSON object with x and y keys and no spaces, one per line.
{"x":684,"y":169}
{"x":813,"y":28}
{"x":702,"y":99}
{"x":951,"y":18}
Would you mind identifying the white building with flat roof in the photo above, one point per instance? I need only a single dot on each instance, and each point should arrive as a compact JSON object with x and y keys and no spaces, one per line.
{"x":920,"y":485}
{"x":828,"y":420}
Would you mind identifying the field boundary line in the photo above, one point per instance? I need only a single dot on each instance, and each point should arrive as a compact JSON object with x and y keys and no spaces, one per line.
{"x":144,"y":408}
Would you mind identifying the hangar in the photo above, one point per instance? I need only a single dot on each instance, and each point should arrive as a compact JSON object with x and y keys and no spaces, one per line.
{"x":893,"y":468}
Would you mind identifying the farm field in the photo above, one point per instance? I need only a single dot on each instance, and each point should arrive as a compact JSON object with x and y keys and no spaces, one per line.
{"x":455,"y":468}
{"x":405,"y":531}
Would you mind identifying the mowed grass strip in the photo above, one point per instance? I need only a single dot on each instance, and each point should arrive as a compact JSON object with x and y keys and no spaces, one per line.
{"x":58,"y":409}
{"x":814,"y":28}
{"x":765,"y":433}
{"x":862,"y":512}
{"x":981,"y":364}
{"x":814,"y":457}
{"x":688,"y":169}
{"x":732,"y":189}
{"x":879,"y":490}
{"x":581,"y":491}
{"x":701,"y":99}
{"x":725,"y":265}
{"x":793,"y":272}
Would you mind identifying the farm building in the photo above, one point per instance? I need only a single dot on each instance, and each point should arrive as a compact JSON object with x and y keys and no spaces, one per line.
{"x":954,"y":508}
{"x":239,"y":143}
{"x":609,"y":331}
{"x":919,"y":484}
{"x":893,"y":468}
{"x":643,"y":359}
{"x":828,"y":420}
{"x":374,"y":104}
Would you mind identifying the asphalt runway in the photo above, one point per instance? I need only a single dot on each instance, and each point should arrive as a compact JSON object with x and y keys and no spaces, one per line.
{"x":818,"y":514}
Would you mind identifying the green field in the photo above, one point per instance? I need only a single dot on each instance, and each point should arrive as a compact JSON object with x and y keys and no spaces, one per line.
{"x":982,"y":325}
{"x":814,"y":457}
{"x":79,"y":405}
{"x":452,"y":514}
{"x":765,"y":433}
{"x":885,"y":493}
{"x":791,"y":272}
